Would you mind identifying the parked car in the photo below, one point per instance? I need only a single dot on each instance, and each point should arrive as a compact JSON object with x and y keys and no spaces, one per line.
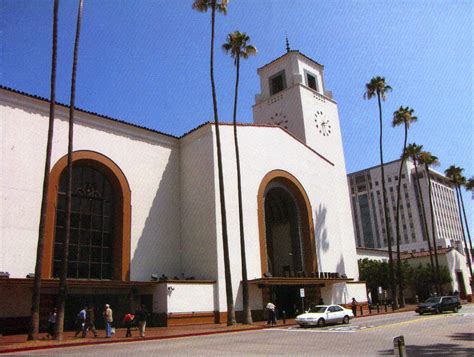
{"x":438,"y":304}
{"x":321,"y":315}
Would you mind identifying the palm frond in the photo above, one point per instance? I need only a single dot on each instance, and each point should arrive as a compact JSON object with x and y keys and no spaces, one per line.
{"x":238,"y":47}
{"x":204,"y":5}
{"x":404,"y":115}
{"x":470,"y":184}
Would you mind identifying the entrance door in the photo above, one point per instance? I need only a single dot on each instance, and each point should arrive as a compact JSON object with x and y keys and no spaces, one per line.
{"x":118,"y":303}
{"x":287,"y":298}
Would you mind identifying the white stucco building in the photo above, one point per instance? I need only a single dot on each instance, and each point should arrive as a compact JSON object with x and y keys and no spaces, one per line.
{"x":146,"y":204}
{"x":450,"y":258}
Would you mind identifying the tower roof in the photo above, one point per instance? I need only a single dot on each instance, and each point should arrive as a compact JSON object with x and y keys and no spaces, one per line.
{"x":288,"y":53}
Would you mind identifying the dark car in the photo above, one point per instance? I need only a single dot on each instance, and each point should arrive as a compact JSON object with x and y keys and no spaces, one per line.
{"x":439,"y":304}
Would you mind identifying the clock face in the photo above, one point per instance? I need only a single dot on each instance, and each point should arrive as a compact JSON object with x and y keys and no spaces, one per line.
{"x":322,"y":123}
{"x":279,"y":119}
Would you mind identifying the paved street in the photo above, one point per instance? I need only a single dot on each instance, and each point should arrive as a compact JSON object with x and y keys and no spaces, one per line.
{"x":434,"y":335}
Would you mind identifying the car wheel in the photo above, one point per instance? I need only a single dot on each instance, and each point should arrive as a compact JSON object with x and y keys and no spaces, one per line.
{"x":420,"y":313}
{"x":455,"y":309}
{"x":321,"y":323}
{"x":345,"y":320}
{"x":438,"y":311}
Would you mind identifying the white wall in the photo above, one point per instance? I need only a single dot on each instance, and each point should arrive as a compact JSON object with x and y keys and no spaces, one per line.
{"x":199,"y":189}
{"x":317,"y":71}
{"x":200,"y":295}
{"x":149,"y":161}
{"x":342,"y":293}
{"x":180,"y":298}
{"x":263,"y":150}
{"x":285,"y":107}
{"x":372,"y":254}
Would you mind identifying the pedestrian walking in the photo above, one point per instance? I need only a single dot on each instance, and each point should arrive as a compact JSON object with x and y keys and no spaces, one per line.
{"x":271,"y":316}
{"x":80,"y":321}
{"x":128,"y":322}
{"x":90,"y":322}
{"x":140,"y":316}
{"x":354,"y":306}
{"x":51,"y":323}
{"x":108,"y":319}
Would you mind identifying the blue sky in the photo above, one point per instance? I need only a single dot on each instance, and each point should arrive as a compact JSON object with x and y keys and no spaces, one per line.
{"x":146,"y":62}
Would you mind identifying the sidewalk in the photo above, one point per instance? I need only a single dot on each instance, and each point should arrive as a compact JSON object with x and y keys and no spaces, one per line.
{"x":18,"y":343}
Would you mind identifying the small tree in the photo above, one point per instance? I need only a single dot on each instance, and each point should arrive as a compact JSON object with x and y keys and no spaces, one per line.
{"x":421,"y":280}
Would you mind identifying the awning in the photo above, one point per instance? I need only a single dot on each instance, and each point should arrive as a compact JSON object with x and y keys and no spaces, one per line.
{"x":100,"y":284}
{"x":297,"y":281}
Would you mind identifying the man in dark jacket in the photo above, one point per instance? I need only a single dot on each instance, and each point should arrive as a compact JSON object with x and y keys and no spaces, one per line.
{"x":140,"y":316}
{"x":90,"y":322}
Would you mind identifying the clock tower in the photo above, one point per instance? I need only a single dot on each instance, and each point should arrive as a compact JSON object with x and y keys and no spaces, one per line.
{"x":293,"y":96}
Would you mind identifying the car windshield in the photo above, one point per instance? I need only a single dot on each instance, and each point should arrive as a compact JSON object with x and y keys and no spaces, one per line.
{"x":318,"y":309}
{"x":432,"y":300}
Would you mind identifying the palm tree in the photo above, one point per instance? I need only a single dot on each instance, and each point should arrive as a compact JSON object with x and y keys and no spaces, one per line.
{"x":378,"y":87}
{"x":401,"y":116}
{"x":35,"y":299}
{"x":63,"y":272}
{"x":428,"y":159}
{"x":238,"y":47}
{"x":470,"y":185}
{"x":464,"y":183}
{"x":203,"y":6}
{"x":454,"y":173}
{"x":413,"y":151}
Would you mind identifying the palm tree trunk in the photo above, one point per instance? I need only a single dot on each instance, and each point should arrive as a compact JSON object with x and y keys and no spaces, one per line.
{"x":35,"y":300}
{"x":393,"y":291}
{"x":438,"y":274}
{"x":225,"y":242}
{"x":397,"y":217}
{"x":465,"y":221}
{"x":466,"y":249}
{"x":423,"y":221}
{"x":63,"y":274}
{"x":247,"y":318}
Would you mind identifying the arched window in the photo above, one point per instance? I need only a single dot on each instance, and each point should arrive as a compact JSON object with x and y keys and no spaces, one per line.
{"x":100,"y":222}
{"x":92,"y":225}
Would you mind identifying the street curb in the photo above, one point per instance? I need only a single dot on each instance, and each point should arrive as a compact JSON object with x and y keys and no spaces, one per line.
{"x":136,"y":339}
{"x":384,"y":313}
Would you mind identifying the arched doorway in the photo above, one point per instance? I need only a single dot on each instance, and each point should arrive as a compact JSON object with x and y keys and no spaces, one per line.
{"x":287,"y":247}
{"x":285,"y":226}
{"x":100,"y":223}
{"x":285,"y":254}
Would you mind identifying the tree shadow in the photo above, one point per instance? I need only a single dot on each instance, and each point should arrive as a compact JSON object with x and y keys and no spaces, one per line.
{"x":463,"y":336}
{"x":320,"y":230}
{"x":439,"y":349}
{"x":341,"y":267}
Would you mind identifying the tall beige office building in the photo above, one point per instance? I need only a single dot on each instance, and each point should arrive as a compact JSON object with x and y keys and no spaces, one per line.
{"x":367,"y":209}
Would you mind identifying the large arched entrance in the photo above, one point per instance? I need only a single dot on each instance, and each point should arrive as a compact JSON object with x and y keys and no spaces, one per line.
{"x":287,"y":247}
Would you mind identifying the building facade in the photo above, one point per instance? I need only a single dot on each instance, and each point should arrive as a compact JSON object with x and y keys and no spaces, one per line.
{"x":367,"y":209}
{"x":451,"y":258}
{"x":146,"y":225}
